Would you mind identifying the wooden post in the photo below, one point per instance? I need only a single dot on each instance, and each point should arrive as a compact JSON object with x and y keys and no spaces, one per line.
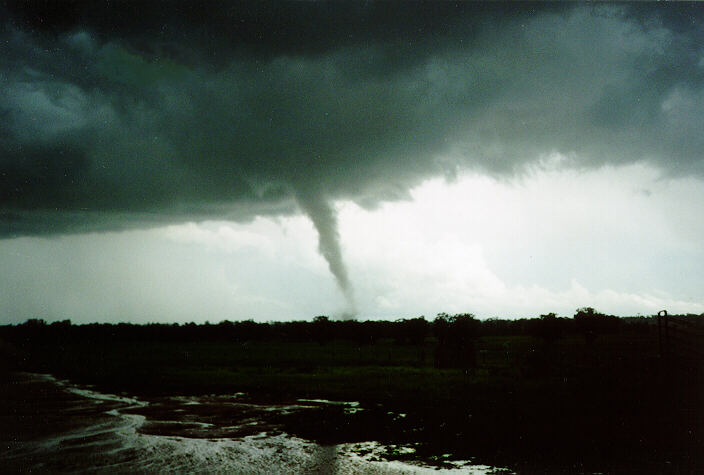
{"x":662,"y":322}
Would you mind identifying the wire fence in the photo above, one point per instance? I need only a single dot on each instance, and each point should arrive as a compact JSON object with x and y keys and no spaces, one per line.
{"x":681,"y":337}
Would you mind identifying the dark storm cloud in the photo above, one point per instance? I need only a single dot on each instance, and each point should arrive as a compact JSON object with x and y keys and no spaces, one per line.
{"x":263,"y":28}
{"x":154,"y":112}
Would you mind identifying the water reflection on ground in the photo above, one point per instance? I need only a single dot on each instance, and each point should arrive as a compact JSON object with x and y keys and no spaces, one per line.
{"x":53,"y":426}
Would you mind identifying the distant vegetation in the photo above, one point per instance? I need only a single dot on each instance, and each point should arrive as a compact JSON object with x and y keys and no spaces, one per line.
{"x":451,"y":341}
{"x":587,"y":322}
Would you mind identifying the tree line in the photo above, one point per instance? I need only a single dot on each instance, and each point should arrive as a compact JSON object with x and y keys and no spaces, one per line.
{"x":458,"y":329}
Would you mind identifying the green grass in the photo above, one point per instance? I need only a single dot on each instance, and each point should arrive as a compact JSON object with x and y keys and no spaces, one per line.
{"x":340,"y":370}
{"x":601,"y":404}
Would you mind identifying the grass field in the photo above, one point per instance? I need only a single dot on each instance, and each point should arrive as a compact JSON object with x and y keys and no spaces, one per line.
{"x":607,"y":406}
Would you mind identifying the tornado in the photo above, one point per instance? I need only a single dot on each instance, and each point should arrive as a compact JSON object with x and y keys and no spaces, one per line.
{"x":324,"y":219}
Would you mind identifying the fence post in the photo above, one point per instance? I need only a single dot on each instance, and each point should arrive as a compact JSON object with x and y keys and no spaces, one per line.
{"x":662,"y":322}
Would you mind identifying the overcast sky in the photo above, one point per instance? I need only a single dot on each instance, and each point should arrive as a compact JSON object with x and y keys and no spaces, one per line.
{"x":192,"y":161}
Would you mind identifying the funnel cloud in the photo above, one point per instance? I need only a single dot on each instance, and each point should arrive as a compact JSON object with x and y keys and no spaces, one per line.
{"x":323,"y":216}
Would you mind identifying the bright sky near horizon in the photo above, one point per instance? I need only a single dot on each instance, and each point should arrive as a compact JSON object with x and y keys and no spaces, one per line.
{"x":552,"y":241}
{"x":282,"y":160}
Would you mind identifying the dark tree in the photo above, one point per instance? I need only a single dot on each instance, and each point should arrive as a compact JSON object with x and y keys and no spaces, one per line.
{"x":322,"y":329}
{"x":591,"y":323}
